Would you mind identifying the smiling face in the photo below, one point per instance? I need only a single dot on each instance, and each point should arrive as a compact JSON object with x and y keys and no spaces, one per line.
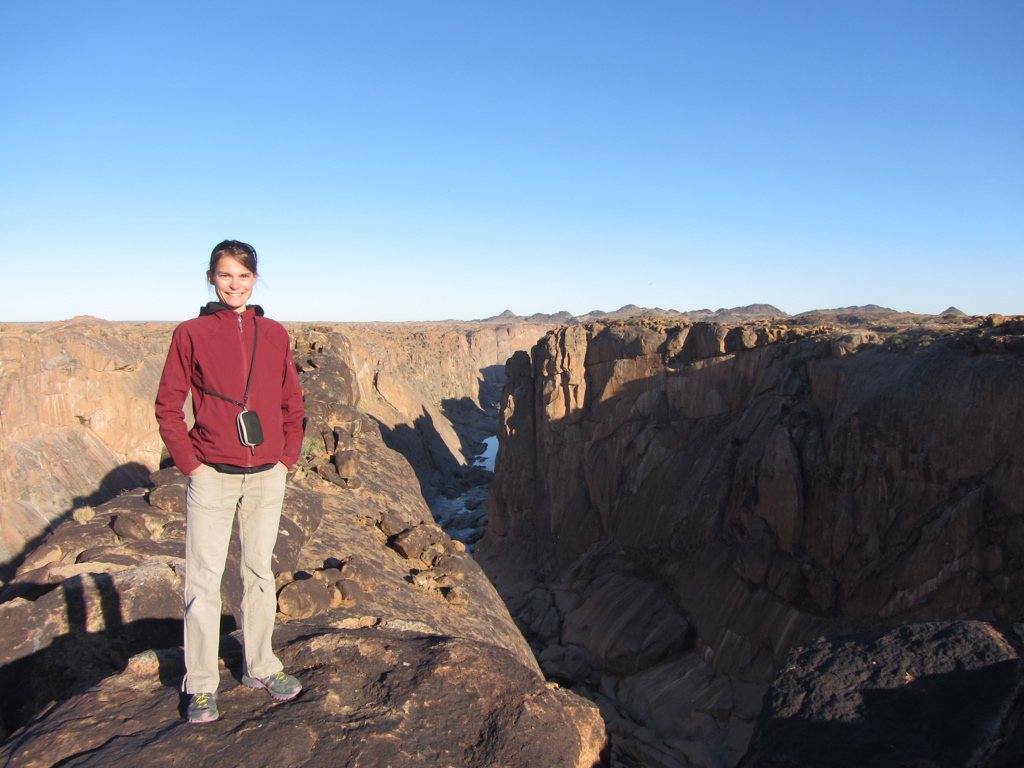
{"x":233,"y":282}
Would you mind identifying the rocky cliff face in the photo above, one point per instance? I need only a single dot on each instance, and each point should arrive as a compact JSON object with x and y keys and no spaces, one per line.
{"x":698,"y":498}
{"x":407,"y":654}
{"x":76,"y":421}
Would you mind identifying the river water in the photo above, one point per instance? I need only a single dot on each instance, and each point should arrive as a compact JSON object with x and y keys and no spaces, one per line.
{"x":465,"y":518}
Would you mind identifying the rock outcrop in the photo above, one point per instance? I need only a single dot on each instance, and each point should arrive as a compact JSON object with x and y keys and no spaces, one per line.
{"x":375,"y":699}
{"x":676,"y":505}
{"x":407,"y":653}
{"x":932,"y":694}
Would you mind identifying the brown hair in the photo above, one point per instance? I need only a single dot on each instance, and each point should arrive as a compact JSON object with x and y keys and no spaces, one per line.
{"x":243,"y":253}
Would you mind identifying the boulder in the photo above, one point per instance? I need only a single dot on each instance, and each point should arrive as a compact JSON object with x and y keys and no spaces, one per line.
{"x":303,"y":599}
{"x":346,"y":463}
{"x":935,"y":693}
{"x":170,"y":496}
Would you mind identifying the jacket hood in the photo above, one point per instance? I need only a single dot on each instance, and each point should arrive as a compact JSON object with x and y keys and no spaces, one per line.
{"x":215,"y":306}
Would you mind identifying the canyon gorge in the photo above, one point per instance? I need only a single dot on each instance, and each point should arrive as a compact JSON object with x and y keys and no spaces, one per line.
{"x":702,"y":532}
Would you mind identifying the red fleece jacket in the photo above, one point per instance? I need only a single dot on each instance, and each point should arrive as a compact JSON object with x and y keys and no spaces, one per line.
{"x":214,"y":351}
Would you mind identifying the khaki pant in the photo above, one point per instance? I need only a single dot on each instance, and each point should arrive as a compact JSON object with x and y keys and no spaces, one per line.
{"x":212,"y":501}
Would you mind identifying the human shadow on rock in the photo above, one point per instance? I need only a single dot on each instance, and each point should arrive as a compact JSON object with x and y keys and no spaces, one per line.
{"x":97,"y":643}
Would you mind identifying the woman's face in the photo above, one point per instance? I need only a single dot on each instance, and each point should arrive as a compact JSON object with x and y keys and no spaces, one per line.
{"x":233,"y":282}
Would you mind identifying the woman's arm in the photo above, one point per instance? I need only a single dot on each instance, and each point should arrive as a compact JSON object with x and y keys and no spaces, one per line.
{"x":292,"y":409}
{"x":175,"y":383}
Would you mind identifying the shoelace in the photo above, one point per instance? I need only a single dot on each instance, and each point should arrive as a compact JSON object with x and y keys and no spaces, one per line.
{"x":203,"y":699}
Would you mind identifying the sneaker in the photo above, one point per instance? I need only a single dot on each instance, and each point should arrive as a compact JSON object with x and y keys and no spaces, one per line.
{"x":202,"y":708}
{"x":279,"y":685}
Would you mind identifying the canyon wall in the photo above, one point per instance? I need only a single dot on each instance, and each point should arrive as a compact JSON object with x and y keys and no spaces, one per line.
{"x":675,"y":506}
{"x":935,"y":693}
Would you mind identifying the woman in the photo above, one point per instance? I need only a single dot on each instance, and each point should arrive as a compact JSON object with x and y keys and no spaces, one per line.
{"x":233,"y":361}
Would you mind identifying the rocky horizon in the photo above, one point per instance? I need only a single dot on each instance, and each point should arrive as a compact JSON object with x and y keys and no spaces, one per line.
{"x":722,"y":314}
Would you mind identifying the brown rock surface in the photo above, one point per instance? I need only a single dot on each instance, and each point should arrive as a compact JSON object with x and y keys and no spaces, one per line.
{"x":84,"y":629}
{"x":76,"y":419}
{"x":372,"y":698}
{"x":740,"y":489}
{"x":91,"y":596}
{"x":408,"y":648}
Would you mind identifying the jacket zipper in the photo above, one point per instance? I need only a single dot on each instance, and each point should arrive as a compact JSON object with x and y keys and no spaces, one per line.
{"x":241,"y":346}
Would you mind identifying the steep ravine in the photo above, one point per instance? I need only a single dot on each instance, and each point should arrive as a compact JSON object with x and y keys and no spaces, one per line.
{"x":464,"y":517}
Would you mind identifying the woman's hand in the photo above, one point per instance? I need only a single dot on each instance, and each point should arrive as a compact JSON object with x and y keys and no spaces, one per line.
{"x":282,"y":467}
{"x":197,"y":471}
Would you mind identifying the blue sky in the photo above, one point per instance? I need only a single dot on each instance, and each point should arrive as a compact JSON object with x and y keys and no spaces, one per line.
{"x":422,"y":160}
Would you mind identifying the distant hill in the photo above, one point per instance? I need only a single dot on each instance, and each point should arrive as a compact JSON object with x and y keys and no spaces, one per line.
{"x":862,"y":315}
{"x":734,"y":315}
{"x":865,"y":309}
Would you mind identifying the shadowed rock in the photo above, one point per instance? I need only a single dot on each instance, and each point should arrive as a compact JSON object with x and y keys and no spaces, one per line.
{"x":942,"y":694}
{"x":701,"y":497}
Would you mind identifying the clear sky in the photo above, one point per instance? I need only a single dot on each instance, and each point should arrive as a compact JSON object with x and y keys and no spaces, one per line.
{"x":433,"y":159}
